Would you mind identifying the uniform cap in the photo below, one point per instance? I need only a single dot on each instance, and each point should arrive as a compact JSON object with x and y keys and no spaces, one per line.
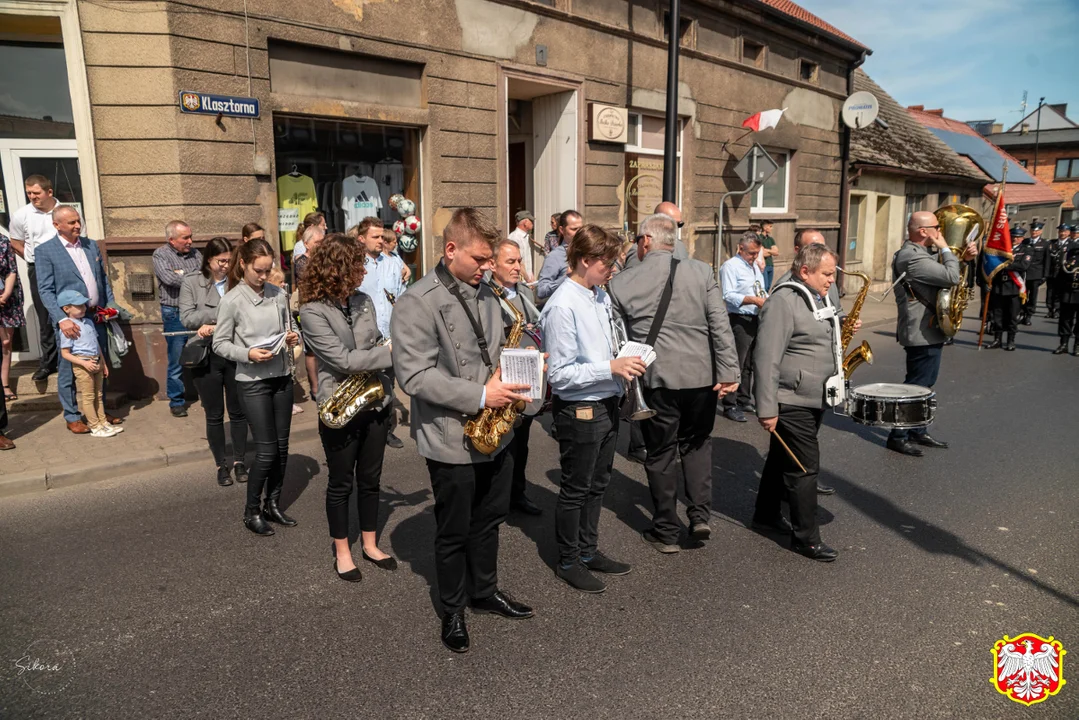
{"x":1018,"y":232}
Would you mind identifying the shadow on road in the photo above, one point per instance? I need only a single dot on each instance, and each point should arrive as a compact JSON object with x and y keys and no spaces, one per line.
{"x":298,"y":474}
{"x":928,"y":536}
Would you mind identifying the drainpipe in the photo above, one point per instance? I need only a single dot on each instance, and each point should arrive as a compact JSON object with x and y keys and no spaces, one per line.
{"x":844,"y":177}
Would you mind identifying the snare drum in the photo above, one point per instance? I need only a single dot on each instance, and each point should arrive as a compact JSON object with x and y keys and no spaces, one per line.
{"x":892,"y":405}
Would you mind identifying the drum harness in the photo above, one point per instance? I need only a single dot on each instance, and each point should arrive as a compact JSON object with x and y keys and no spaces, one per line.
{"x":835,"y":387}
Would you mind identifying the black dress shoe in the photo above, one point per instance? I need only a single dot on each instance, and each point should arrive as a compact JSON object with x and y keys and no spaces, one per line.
{"x":178,"y":411}
{"x":602,"y":564}
{"x":1010,"y":346}
{"x":271,"y":512}
{"x":735,"y":414}
{"x":906,"y":447}
{"x":254,"y":522}
{"x":779,"y":525}
{"x":393,"y":441}
{"x":240,"y":470}
{"x":1075,"y":350}
{"x":1026,"y":321}
{"x":41,"y":375}
{"x":454,"y":632}
{"x":929,"y":441}
{"x":525,"y":506}
{"x":1061,"y":349}
{"x":825,"y":489}
{"x":502,"y":604}
{"x":820,"y":552}
{"x":386,"y":563}
{"x":354,"y":575}
{"x":224,"y":477}
{"x":994,"y":345}
{"x":579,"y":577}
{"x":637,"y":456}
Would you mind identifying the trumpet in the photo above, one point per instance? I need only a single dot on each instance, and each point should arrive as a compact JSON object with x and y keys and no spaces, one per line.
{"x":758,"y":288}
{"x":639,"y":409}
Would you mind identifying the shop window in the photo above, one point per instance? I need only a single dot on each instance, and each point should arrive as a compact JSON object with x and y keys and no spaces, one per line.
{"x":644,"y":165}
{"x":772,"y":195}
{"x":348,"y":171}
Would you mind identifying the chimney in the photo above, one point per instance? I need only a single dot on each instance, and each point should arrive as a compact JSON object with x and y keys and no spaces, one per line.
{"x":919,"y":108}
{"x":939,"y":112}
{"x":997,"y":127}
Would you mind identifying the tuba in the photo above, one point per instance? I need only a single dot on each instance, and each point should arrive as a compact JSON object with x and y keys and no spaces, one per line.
{"x":959,"y":224}
{"x":863,"y":353}
{"x":485,"y":431}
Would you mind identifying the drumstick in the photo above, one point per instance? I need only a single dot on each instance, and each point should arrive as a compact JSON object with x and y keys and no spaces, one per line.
{"x":790,"y":452}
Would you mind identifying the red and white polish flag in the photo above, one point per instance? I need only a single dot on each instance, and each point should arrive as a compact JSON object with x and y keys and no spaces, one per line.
{"x":763,"y":120}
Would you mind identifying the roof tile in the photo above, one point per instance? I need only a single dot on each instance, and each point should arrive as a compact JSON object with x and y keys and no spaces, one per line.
{"x":800,"y":13}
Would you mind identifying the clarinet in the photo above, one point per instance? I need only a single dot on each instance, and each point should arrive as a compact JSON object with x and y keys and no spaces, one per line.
{"x":288,"y":328}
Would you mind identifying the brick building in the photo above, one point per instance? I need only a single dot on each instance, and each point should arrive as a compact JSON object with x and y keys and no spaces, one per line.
{"x":488,"y":103}
{"x":1051,"y":141}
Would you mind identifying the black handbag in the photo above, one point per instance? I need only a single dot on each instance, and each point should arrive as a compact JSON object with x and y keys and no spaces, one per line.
{"x":196,"y":354}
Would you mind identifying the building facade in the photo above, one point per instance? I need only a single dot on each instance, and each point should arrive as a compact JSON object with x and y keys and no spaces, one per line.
{"x":537,"y":104}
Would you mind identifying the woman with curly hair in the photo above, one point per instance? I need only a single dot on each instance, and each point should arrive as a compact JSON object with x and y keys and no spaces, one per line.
{"x":340,"y":328}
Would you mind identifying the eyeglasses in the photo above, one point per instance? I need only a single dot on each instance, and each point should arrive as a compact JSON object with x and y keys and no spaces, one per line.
{"x":681,"y":223}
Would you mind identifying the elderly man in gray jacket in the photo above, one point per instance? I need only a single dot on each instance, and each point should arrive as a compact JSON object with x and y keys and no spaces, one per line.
{"x":796,"y":354}
{"x":696,"y":363}
{"x":447,"y":336}
{"x":923,"y":276}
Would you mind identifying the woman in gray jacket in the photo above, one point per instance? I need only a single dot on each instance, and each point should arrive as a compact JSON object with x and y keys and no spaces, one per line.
{"x":200,"y":296}
{"x":253,"y":331}
{"x":340,"y":327}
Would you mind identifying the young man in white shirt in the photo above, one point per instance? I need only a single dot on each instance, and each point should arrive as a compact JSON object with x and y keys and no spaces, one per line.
{"x":31,"y":225}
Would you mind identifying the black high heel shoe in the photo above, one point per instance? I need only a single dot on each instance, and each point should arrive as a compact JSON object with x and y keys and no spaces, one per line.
{"x":387,"y":563}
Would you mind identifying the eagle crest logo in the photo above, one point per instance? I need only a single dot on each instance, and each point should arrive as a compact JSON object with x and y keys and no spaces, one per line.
{"x":1028,"y":668}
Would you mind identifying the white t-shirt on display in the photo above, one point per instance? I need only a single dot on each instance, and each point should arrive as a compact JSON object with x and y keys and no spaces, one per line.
{"x":390,"y":176}
{"x":360,"y":199}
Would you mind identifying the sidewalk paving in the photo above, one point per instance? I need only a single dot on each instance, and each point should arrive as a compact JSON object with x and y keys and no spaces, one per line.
{"x":47,"y":456}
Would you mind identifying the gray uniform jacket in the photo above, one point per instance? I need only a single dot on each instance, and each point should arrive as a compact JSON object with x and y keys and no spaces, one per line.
{"x":245,"y":319}
{"x":437,"y":361}
{"x":833,"y":291}
{"x":794,"y":354}
{"x":342,"y":350}
{"x":680,"y":252}
{"x":695,"y":347}
{"x":917,"y":324}
{"x":198,"y":302}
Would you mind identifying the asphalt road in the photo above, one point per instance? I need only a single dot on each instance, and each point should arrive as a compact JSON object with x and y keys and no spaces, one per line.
{"x":153,"y":601}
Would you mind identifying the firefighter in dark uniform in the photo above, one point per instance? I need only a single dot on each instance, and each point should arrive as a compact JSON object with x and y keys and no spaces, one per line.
{"x":1038,"y":249}
{"x":1067,"y":293}
{"x":1052,"y":300}
{"x":1005,"y":303}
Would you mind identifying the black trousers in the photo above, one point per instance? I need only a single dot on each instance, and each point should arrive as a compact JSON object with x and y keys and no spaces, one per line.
{"x":471,"y":501}
{"x":1004,"y":310}
{"x":923,"y":367}
{"x":519,"y":448}
{"x":268,"y":407}
{"x":216,"y":383}
{"x":782,"y":479}
{"x":680,"y":429}
{"x":1066,"y":325}
{"x":636,"y":438}
{"x":745,"y":336}
{"x":354,"y":455}
{"x":1031,"y":305}
{"x":1052,"y":297}
{"x":587,"y":436}
{"x":50,"y":353}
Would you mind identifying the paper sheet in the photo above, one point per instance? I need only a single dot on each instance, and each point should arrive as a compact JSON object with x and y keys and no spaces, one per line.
{"x":636,"y":349}
{"x":524,"y":367}
{"x":274,"y":343}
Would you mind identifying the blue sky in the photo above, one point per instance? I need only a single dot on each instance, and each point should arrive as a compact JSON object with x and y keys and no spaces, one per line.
{"x":974,"y":58}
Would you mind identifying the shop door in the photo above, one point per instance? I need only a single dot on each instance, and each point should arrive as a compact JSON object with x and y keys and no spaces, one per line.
{"x":19,"y":159}
{"x":554,"y":132}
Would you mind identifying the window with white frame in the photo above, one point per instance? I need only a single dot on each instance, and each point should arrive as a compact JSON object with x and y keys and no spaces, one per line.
{"x":771,"y":197}
{"x":644,"y":165}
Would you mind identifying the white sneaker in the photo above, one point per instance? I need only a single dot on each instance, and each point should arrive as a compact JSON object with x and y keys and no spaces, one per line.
{"x":105,"y":431}
{"x":117,"y":428}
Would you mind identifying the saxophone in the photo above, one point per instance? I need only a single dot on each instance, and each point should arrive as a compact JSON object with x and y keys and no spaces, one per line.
{"x":486,"y":429}
{"x":355,"y":394}
{"x":863,"y":353}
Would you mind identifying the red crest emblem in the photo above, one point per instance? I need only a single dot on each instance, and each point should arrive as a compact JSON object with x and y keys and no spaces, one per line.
{"x":1028,"y":668}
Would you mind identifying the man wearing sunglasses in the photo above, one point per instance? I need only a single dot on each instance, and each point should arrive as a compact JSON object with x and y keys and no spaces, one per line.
{"x":916,"y":296}
{"x":634,"y":256}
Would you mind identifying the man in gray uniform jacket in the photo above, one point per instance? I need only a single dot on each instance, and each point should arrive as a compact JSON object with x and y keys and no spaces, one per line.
{"x":695,"y":359}
{"x":447,"y":334}
{"x":795,"y":355}
{"x":916,"y":326}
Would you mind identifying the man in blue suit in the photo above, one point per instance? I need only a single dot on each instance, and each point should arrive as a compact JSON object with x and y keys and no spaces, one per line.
{"x":71,"y":262}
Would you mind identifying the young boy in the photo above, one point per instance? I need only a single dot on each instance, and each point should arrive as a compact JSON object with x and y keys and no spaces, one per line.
{"x":87,"y":363}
